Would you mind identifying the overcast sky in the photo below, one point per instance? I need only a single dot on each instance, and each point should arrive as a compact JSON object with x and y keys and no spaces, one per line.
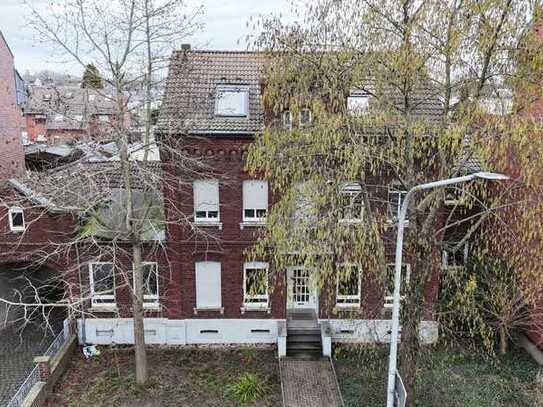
{"x":225,"y":28}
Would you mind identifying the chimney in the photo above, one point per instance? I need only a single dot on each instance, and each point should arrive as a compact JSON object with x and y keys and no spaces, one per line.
{"x":185,"y":47}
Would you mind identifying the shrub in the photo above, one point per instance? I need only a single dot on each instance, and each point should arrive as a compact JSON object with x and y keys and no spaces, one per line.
{"x":249,"y":387}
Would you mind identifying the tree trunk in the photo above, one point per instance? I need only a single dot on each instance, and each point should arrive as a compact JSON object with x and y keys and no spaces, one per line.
{"x":137,"y":312}
{"x":503,"y":341}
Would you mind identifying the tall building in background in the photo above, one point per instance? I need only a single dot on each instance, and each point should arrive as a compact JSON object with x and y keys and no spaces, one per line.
{"x":11,"y":148}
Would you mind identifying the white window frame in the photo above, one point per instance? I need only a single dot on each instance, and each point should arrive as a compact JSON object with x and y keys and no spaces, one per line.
{"x":207,"y":219}
{"x":149,"y":300}
{"x":13,"y":211}
{"x":358,"y":103}
{"x":405,"y":280}
{"x":247,"y":298}
{"x":396,"y":189}
{"x":351,"y":300}
{"x":104,"y":118}
{"x":445,"y":256}
{"x":199,"y":305}
{"x":108,"y":300}
{"x":305,"y":109}
{"x":238,"y":89}
{"x":353,"y":190}
{"x":286,"y":119}
{"x":255,"y":219}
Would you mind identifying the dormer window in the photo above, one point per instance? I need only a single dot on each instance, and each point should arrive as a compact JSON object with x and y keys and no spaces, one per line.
{"x":358,"y":103}
{"x":232,"y":101}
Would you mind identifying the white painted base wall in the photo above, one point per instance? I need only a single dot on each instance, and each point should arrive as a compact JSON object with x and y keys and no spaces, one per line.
{"x":375,"y":331}
{"x":164,"y":331}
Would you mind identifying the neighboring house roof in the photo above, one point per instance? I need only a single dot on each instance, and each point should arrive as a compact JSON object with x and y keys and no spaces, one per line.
{"x":68,"y":107}
{"x":189,"y":101}
{"x":88,"y":188}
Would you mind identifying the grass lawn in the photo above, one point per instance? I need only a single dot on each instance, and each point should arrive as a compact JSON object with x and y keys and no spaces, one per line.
{"x":179,"y":377}
{"x":454,"y":378}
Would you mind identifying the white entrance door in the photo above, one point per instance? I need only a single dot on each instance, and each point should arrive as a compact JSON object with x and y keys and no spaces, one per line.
{"x":302,"y":292}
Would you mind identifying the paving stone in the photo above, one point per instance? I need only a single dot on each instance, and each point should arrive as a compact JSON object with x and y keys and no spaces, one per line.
{"x":17,"y":352}
{"x":309,"y":383}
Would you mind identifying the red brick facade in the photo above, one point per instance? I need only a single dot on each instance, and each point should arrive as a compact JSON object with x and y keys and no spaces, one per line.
{"x":11,"y":149}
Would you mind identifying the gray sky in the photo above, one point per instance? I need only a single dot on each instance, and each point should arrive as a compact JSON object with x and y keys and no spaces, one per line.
{"x":225,"y":26}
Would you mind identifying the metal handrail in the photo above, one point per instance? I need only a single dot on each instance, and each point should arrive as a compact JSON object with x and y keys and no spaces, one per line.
{"x":20,"y":396}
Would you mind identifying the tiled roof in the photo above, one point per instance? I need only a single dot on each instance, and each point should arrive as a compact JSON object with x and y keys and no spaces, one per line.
{"x":189,"y":101}
{"x":83,"y":184}
{"x":68,"y":107}
{"x":193,"y":79}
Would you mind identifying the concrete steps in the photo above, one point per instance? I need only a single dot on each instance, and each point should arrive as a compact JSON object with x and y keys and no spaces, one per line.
{"x":303,"y":336}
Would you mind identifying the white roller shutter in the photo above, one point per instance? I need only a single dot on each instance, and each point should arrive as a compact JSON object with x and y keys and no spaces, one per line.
{"x":208,"y":284}
{"x":255,"y":194}
{"x":206,"y":195}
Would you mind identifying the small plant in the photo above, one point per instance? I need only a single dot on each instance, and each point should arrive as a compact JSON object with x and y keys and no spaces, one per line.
{"x":249,"y":387}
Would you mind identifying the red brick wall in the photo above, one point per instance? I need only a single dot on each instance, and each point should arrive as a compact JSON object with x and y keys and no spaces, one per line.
{"x":11,"y":149}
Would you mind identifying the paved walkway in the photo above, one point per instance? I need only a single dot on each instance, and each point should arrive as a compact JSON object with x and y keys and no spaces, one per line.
{"x":17,"y":351}
{"x":309,"y":383}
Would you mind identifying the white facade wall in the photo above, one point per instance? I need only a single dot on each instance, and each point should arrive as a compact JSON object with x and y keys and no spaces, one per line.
{"x":164,"y":331}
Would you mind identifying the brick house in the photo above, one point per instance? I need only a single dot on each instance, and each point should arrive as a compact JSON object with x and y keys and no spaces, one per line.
{"x":11,"y":149}
{"x":55,"y":114}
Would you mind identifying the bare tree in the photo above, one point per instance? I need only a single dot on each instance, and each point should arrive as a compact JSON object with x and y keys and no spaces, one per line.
{"x":119,"y":204}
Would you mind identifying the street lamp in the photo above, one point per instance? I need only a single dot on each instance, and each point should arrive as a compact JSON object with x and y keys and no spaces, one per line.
{"x":491,"y":176}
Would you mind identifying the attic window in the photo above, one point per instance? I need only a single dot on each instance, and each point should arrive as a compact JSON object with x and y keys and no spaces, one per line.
{"x":16,"y":219}
{"x":358,"y":103}
{"x":47,"y":97}
{"x":232,"y":101}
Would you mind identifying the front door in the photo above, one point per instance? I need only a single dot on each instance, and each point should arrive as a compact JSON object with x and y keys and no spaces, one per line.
{"x":302,"y":292}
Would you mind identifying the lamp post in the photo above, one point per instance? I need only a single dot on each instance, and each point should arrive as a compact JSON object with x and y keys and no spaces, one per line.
{"x":491,"y":176}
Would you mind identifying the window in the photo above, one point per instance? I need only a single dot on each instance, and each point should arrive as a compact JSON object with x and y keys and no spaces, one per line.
{"x":16,"y":219}
{"x":453,"y":257}
{"x":396,"y":196}
{"x":348,"y":286}
{"x":358,"y":103}
{"x":102,"y":282}
{"x":389,"y":283}
{"x":352,"y":203}
{"x":206,"y":201}
{"x":232,"y":101}
{"x":255,"y":201}
{"x":456,"y":194}
{"x":208,"y":284}
{"x":47,"y":97}
{"x":103,"y":118}
{"x":150,"y":283}
{"x":255,"y":287}
{"x":286,"y":119}
{"x":59,"y":117}
{"x":305,"y":117}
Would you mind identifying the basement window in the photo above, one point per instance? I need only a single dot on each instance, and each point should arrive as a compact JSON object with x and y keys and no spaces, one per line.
{"x":348,"y":286}
{"x":232,"y":101}
{"x":16,"y":219}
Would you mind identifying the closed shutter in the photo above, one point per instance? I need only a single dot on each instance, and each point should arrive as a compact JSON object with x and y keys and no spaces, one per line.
{"x":255,"y":194}
{"x":206,"y":195}
{"x":208,"y":284}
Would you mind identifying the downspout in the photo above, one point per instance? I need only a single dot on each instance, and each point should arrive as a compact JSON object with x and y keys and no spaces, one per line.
{"x":83,"y":333}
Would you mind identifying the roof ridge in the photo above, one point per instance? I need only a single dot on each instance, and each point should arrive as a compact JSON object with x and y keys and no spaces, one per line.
{"x":217,"y":51}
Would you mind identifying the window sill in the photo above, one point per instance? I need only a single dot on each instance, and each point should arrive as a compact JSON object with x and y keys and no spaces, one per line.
{"x":103,"y":308}
{"x":254,"y":308}
{"x":17,"y":230}
{"x":252,"y":224}
{"x":208,"y":224}
{"x":152,"y":307}
{"x":350,"y":221}
{"x":347,"y":308}
{"x":208,"y":309}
